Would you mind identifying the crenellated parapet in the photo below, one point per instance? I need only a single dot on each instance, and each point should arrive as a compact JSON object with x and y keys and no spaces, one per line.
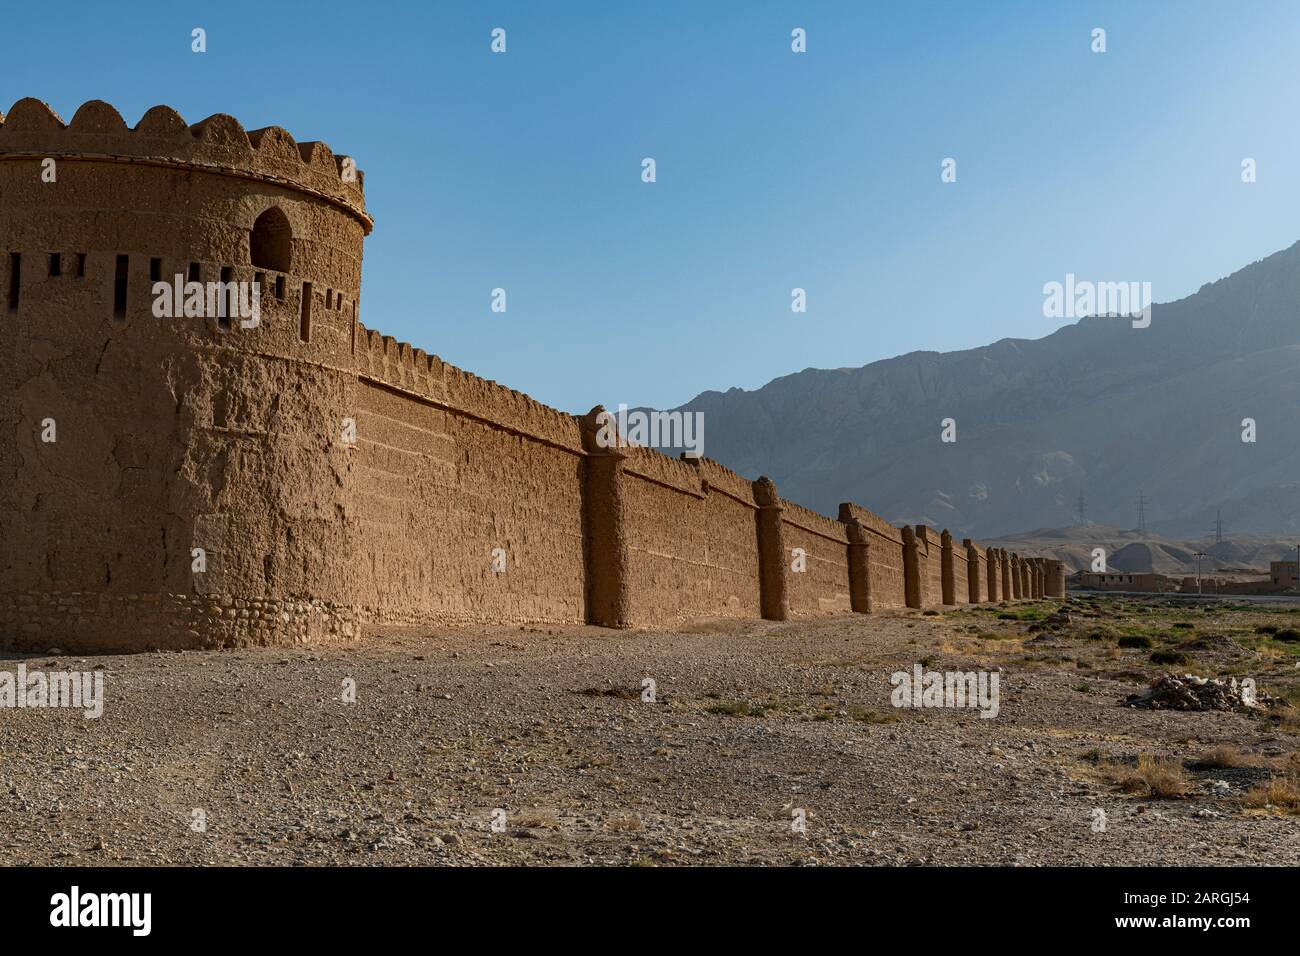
{"x":218,"y":145}
{"x":383,"y":359}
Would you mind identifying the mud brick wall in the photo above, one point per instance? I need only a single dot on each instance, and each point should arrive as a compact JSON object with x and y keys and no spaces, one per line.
{"x":993,"y":574}
{"x":930,"y":562}
{"x":175,"y":434}
{"x":331,"y":476}
{"x":976,"y":571}
{"x":692,"y":548}
{"x":824,"y":587}
{"x":1055,"y":583}
{"x":955,"y":569}
{"x":885,"y":556}
{"x":454,"y":473}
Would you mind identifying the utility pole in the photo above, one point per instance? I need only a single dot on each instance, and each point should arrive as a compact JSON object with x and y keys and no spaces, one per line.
{"x":1201,"y":554}
{"x":1218,"y":527}
{"x":1297,"y":567}
{"x":1081,"y":511}
{"x":1142,"y":512}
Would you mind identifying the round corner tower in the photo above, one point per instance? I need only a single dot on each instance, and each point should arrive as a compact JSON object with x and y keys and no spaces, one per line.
{"x":180,"y":309}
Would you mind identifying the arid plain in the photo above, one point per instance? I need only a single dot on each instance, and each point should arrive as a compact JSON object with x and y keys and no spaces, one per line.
{"x":255,"y":757}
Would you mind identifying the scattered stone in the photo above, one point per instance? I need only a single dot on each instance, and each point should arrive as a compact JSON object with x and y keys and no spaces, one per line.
{"x":1189,"y":692}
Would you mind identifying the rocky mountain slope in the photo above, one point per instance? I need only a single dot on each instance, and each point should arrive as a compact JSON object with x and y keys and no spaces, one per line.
{"x":1097,"y":406}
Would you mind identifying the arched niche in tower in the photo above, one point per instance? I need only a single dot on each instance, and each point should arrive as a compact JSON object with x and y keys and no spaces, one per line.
{"x":271,"y":241}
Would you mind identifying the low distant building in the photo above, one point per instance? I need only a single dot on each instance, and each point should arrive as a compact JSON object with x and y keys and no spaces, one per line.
{"x":1283,"y":574}
{"x":1281,"y":579}
{"x":1126,"y":581}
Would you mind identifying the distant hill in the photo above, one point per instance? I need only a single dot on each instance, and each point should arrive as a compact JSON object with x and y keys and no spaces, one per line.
{"x":1097,"y":406}
{"x":1130,"y":551}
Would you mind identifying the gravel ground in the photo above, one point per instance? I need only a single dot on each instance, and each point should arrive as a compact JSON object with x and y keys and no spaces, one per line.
{"x":751,"y":723}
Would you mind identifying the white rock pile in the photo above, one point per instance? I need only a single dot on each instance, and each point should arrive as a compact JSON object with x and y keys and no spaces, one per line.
{"x":1189,"y":692}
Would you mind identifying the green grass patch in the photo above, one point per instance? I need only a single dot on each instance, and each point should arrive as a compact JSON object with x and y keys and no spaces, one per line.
{"x":1036,"y":613}
{"x":1260,"y":643}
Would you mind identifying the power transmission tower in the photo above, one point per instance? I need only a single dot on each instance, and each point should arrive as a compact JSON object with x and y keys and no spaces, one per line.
{"x":1081,"y":512}
{"x":1142,"y":512}
{"x":1218,"y":527}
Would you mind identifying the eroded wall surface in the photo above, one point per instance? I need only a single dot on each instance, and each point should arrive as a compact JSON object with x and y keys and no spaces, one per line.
{"x":885,"y":544}
{"x":327,"y":475}
{"x":823,"y":586}
{"x":691,"y":541}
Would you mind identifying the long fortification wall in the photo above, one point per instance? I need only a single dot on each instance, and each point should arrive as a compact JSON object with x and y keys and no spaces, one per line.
{"x":216,"y":484}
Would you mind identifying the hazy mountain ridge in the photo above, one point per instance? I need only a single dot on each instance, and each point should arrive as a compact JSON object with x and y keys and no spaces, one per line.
{"x":1127,"y":550}
{"x":1097,"y":406}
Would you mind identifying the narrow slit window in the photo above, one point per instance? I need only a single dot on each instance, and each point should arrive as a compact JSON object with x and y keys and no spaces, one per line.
{"x":304,"y":327}
{"x":224,"y":298}
{"x":279,"y":288}
{"x":196,"y":272}
{"x":56,"y":265}
{"x":15,"y":278}
{"x":120,"y":274}
{"x":80,"y":267}
{"x":155,"y":270}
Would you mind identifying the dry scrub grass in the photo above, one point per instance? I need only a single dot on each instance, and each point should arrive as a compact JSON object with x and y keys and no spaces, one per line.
{"x":625,"y":824}
{"x":539,"y":819}
{"x":1281,"y":792}
{"x":1227,"y":757}
{"x":1160,"y":778}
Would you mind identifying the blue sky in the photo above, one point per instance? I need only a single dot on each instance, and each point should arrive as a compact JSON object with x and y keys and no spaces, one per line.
{"x":775,"y":170}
